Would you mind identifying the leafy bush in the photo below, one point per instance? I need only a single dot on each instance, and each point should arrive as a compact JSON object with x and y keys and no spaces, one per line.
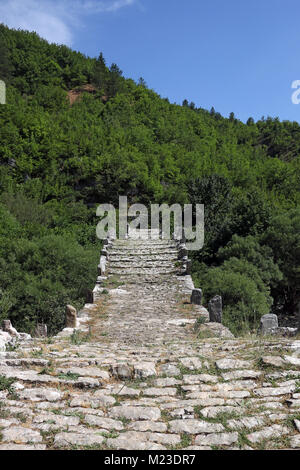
{"x":245,"y":296}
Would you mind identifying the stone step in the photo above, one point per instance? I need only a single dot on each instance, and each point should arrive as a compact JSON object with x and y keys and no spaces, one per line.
{"x":125,"y":259}
{"x":160,"y":279}
{"x":135,"y":264}
{"x":138,"y":248}
{"x":143,"y":254}
{"x":146,"y":244}
{"x":146,"y":271}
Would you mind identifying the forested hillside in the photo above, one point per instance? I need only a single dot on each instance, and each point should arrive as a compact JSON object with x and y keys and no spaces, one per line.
{"x":59,"y":161}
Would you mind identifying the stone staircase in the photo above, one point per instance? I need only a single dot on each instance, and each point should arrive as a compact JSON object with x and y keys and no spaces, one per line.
{"x":144,"y":257}
{"x":143,"y":370}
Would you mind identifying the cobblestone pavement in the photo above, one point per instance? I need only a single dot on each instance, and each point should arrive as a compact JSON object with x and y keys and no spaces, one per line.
{"x":143,"y":372}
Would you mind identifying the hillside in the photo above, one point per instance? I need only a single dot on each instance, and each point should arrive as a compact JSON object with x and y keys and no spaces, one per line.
{"x":59,"y":161}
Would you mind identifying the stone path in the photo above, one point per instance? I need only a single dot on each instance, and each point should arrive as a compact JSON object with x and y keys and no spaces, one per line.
{"x":149,"y":375}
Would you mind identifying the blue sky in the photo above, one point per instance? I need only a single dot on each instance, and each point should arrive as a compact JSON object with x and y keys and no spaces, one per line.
{"x":235,"y":55}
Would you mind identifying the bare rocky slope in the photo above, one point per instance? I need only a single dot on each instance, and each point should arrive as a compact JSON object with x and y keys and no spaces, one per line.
{"x":144,"y":370}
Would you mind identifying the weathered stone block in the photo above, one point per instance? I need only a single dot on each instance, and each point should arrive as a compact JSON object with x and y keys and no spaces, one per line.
{"x":89,"y":296}
{"x":196,"y":297}
{"x":286,"y":332}
{"x":215,"y":309}
{"x":188,"y":266}
{"x":183,"y":252}
{"x":7,"y":326}
{"x":102,"y":265}
{"x":40,"y":330}
{"x":104,"y":252}
{"x":71,"y":316}
{"x":122,"y":371}
{"x":268,"y":324}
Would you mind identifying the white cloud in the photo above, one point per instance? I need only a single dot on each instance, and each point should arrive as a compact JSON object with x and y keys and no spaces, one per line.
{"x":103,"y":6}
{"x":54,"y":20}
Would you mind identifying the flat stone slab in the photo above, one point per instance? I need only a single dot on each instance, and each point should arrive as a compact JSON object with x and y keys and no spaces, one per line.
{"x":70,"y":439}
{"x":136,"y":413}
{"x":220,"y":439}
{"x":192,"y":363}
{"x":273,"y":392}
{"x":241,"y":374}
{"x":133,"y":441}
{"x":194,"y":426}
{"x":143,"y":370}
{"x":158,"y":392}
{"x":214,"y":411}
{"x":295,"y":442}
{"x":270,"y":432}
{"x":200,"y":378}
{"x":182,"y":322}
{"x":297,"y":424}
{"x":105,"y":423}
{"x":152,"y":426}
{"x":295,"y":361}
{"x":226,"y":364}
{"x":40,"y":394}
{"x":22,"y":446}
{"x":86,"y":372}
{"x":170,"y":370}
{"x":21,"y":435}
{"x":250,"y":422}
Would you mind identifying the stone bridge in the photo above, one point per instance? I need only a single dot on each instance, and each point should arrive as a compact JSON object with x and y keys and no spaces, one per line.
{"x":142,"y":368}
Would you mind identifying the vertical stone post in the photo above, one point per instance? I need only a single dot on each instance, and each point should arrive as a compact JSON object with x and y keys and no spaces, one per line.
{"x":182,"y":252}
{"x":196,"y":297}
{"x":268,"y":324}
{"x":89,"y":296}
{"x":215,"y":309}
{"x":71,"y":317}
{"x":41,"y":330}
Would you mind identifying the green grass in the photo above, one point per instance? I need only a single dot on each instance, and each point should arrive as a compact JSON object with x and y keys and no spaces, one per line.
{"x":125,"y":421}
{"x":180,"y":392}
{"x":200,"y":321}
{"x":3,"y":413}
{"x":166,"y":416}
{"x":6,"y":383}
{"x":243,"y":440}
{"x":68,"y":376}
{"x":297,"y":389}
{"x":20,"y":416}
{"x":206,"y":334}
{"x":290,"y":420}
{"x":110,"y":435}
{"x":77,"y":338}
{"x":186,"y":441}
{"x":38,"y":353}
{"x":46,"y":371}
{"x":221,"y":417}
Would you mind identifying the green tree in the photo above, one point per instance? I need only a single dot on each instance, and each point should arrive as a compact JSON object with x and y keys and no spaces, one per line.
{"x":100,"y":72}
{"x":115,"y":81}
{"x":283,"y":236}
